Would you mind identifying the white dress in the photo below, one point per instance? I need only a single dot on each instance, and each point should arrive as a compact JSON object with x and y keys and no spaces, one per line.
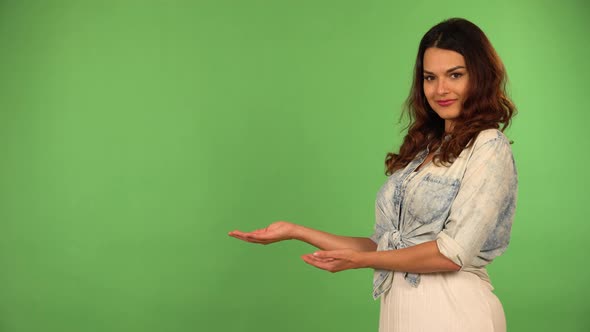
{"x":443,"y":302}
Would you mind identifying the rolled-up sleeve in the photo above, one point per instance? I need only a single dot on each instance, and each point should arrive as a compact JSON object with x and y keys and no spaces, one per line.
{"x":480,"y":219}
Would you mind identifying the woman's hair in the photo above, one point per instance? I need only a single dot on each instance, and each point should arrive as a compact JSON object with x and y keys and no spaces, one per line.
{"x":486,"y":106}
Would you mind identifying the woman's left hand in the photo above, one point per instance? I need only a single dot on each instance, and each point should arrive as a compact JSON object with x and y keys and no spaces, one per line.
{"x":334,"y":260}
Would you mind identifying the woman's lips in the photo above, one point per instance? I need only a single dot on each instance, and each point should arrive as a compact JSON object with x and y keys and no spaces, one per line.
{"x":447,"y":102}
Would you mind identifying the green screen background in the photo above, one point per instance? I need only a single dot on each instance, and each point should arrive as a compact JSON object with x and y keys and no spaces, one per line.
{"x":135,"y":134}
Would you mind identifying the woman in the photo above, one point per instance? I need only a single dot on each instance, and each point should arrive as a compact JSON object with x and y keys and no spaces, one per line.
{"x":446,"y":208}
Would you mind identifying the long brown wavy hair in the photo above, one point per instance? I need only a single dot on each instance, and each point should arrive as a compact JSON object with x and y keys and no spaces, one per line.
{"x":486,"y":106}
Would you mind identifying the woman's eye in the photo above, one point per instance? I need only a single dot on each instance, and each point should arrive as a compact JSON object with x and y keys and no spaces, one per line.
{"x":456,"y":75}
{"x":428,"y":78}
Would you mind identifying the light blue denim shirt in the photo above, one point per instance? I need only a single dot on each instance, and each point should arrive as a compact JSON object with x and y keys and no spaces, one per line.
{"x":467,"y":207}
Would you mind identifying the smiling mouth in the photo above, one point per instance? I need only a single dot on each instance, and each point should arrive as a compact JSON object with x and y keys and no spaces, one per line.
{"x":446,"y":102}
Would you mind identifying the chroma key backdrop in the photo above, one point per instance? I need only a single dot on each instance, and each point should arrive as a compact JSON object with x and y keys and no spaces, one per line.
{"x":135,"y":134}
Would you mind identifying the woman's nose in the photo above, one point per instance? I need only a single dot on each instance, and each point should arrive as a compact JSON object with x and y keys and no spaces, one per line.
{"x":441,"y":87}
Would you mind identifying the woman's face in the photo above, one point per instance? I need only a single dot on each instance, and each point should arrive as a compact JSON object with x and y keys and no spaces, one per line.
{"x":445,"y":83}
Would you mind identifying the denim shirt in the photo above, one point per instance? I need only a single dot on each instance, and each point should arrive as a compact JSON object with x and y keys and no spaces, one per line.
{"x":467,"y":207}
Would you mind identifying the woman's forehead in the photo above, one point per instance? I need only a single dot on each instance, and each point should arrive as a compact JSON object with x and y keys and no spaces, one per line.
{"x":437,"y":59}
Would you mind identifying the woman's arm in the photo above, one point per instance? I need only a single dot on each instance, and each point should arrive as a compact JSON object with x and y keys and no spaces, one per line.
{"x":282,"y":230}
{"x":328,"y":241}
{"x":421,"y":258}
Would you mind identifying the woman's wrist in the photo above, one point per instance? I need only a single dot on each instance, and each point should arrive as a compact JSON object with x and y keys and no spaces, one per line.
{"x":297,"y":232}
{"x":364,"y":259}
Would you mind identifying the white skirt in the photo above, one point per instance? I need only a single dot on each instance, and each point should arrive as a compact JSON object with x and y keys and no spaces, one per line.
{"x":444,"y":301}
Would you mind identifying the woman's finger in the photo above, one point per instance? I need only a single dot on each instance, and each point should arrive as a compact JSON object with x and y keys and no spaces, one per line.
{"x":309,"y":260}
{"x":321,"y":259}
{"x":259,"y":236}
{"x":237,"y":232}
{"x":244,"y":236}
{"x":323,"y":254}
{"x":328,"y":266}
{"x":336,"y":254}
{"x":249,"y":239}
{"x":317,"y":260}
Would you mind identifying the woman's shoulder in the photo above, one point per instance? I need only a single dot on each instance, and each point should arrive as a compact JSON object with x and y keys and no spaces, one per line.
{"x":490,"y":136}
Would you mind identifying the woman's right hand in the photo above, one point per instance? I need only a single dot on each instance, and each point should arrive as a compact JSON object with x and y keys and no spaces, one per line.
{"x":275,"y":232}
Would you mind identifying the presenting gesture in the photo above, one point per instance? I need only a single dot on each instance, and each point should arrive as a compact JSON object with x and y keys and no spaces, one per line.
{"x":341,"y":252}
{"x":284,"y":230}
{"x":275,"y":232}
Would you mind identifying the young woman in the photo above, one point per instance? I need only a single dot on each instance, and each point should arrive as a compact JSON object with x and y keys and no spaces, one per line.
{"x":446,"y":208}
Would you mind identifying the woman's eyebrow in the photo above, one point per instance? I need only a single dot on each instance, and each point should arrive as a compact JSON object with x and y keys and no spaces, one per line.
{"x":448,"y":71}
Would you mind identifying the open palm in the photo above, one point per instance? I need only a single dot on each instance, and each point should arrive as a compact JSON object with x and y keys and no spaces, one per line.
{"x":275,"y":232}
